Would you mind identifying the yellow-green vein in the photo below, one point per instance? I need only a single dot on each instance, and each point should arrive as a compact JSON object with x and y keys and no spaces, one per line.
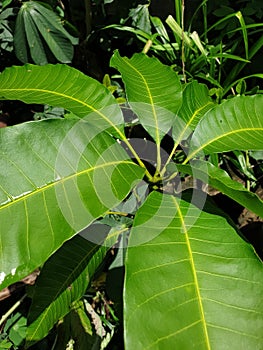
{"x":191,"y":258}
{"x":232,"y":132}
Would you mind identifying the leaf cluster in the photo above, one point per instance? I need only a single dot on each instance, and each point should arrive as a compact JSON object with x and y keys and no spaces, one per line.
{"x":81,"y":184}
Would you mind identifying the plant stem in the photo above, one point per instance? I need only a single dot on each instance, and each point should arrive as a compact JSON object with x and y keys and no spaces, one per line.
{"x":140,"y":162}
{"x":88,"y":17}
{"x":169,"y":158}
{"x":158,"y":160}
{"x":11,"y":310}
{"x":147,"y":46}
{"x":204,"y":8}
{"x":116,"y":213}
{"x":178,"y":8}
{"x":123,"y":138}
{"x":183,"y":49}
{"x":248,"y":166}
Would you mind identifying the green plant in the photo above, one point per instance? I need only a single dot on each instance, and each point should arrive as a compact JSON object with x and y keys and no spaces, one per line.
{"x":190,"y":279}
{"x":218,"y":57}
{"x":39,"y":35}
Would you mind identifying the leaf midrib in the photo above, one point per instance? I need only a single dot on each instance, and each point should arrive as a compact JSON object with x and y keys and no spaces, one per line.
{"x":62,"y":180}
{"x":45,"y":91}
{"x":196,"y":284}
{"x":188,"y":124}
{"x":151,"y":102}
{"x":232,"y":132}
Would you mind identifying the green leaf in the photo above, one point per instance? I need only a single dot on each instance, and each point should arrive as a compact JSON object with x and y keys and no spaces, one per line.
{"x":5,"y":344}
{"x":34,"y":41}
{"x":54,"y":20}
{"x":81,"y":329}
{"x":160,"y":28}
{"x":5,"y":3}
{"x":191,"y":281}
{"x":228,"y":56}
{"x":16,"y":328}
{"x":220,"y":180}
{"x":63,"y":86}
{"x":57,"y":42}
{"x":153,"y":91}
{"x":20,"y":38}
{"x":77,"y":326}
{"x":196,"y":102}
{"x":235,"y":124}
{"x":36,"y":26}
{"x":65,"y":277}
{"x":140,"y":18}
{"x":57,"y":176}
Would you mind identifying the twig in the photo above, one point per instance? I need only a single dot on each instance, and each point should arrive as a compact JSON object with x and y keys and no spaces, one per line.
{"x":183,"y":53}
{"x":11,"y":310}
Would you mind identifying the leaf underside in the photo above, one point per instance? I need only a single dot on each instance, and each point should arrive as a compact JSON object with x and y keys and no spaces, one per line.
{"x":65,"y":277}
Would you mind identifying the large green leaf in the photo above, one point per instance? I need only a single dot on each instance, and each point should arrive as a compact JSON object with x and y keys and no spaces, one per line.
{"x":56,"y":177}
{"x":196,"y":102}
{"x":63,"y":86}
{"x":65,"y":277}
{"x":153,"y":91}
{"x":236,"y":124}
{"x":220,"y":180}
{"x":191,"y":281}
{"x":39,"y":29}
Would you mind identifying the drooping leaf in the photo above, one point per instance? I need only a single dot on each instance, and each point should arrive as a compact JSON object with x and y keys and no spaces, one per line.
{"x":5,"y":29}
{"x":196,"y":102}
{"x":191,"y":281}
{"x":58,"y":43}
{"x":153,"y":91}
{"x":160,"y":28}
{"x":34,"y":41}
{"x":219,"y":179}
{"x":20,"y":39}
{"x":39,"y":29}
{"x":236,"y":124}
{"x":56,"y":177}
{"x":63,"y":86}
{"x":65,"y":277}
{"x":141,"y":18}
{"x":5,"y":3}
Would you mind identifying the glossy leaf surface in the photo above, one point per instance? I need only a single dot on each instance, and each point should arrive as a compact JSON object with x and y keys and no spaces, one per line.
{"x":196,"y":102}
{"x":153,"y":91}
{"x":57,"y":176}
{"x":191,"y":281}
{"x":63,"y":86}
{"x":236,"y":124}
